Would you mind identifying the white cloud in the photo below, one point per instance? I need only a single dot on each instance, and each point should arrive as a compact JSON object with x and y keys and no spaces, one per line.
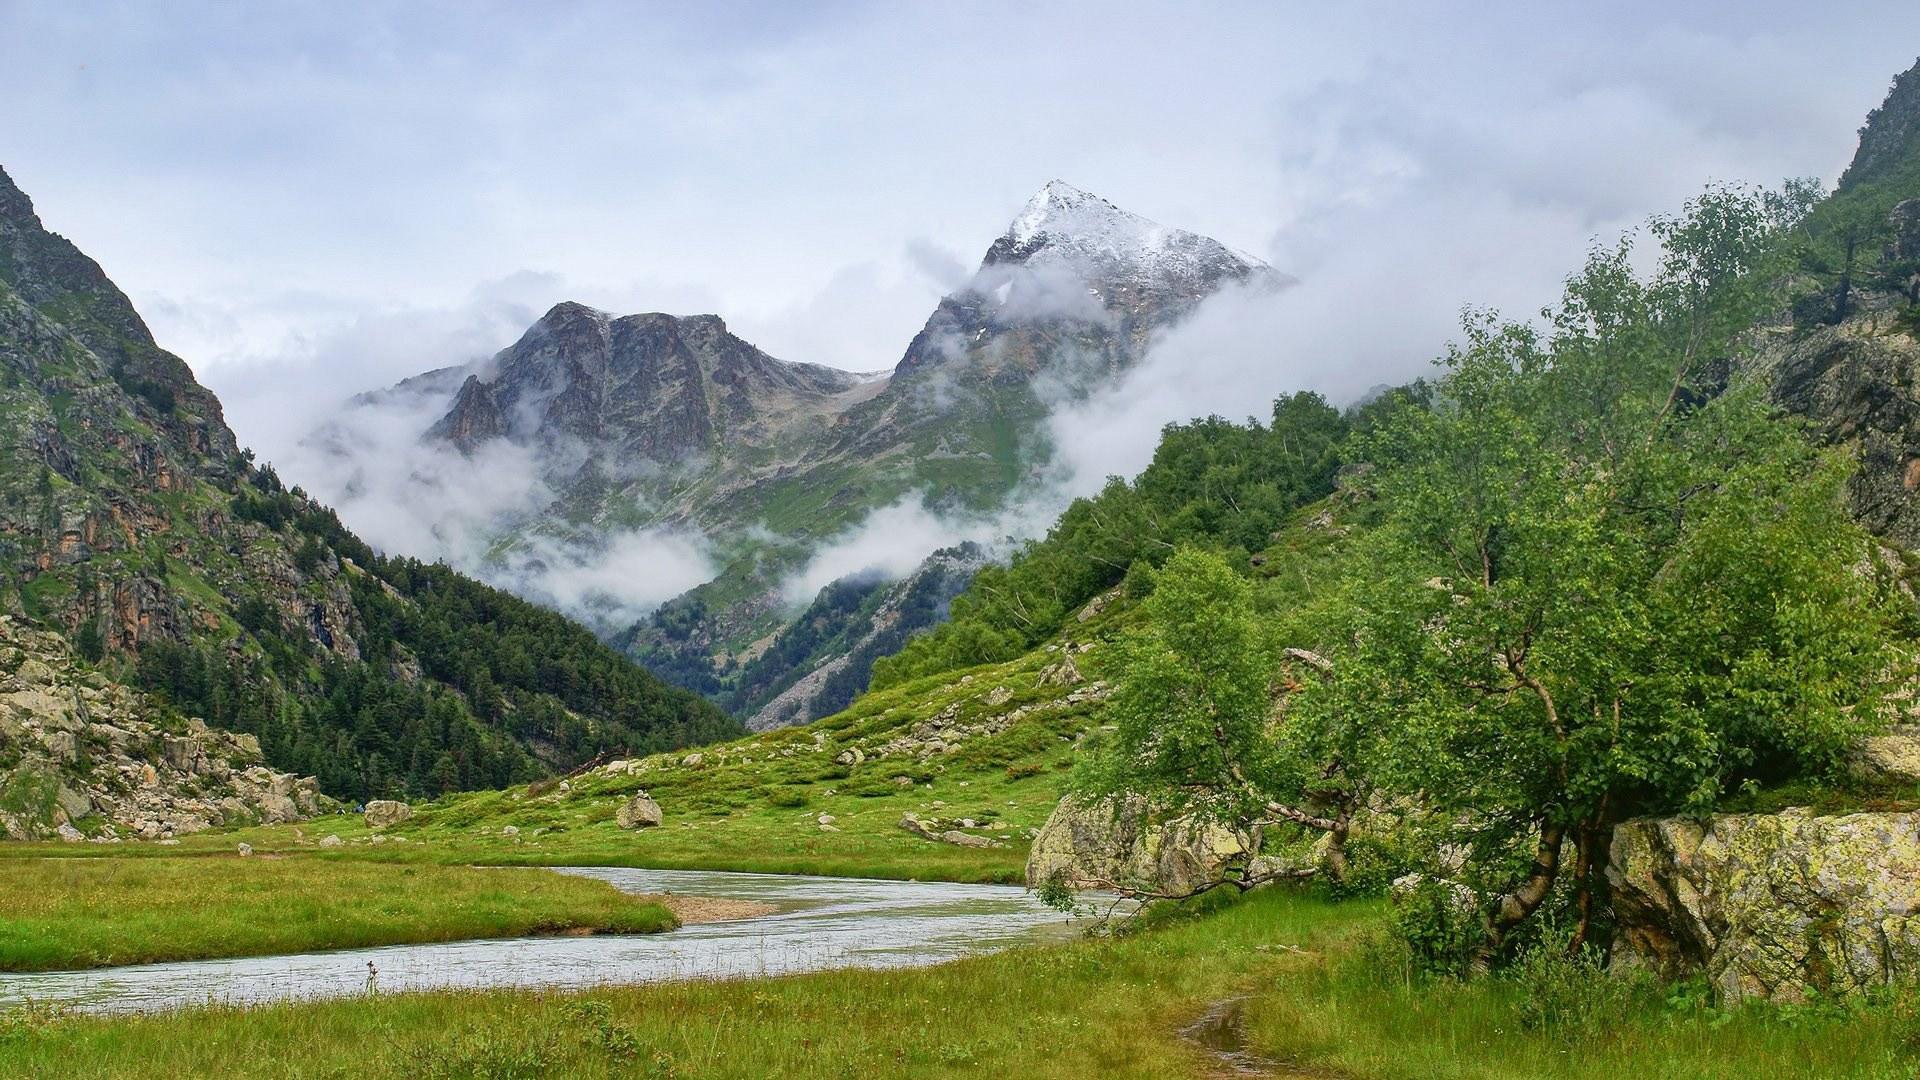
{"x":302,"y":204}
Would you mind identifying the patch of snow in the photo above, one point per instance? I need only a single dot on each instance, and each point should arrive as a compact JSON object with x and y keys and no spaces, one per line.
{"x":1062,"y":223}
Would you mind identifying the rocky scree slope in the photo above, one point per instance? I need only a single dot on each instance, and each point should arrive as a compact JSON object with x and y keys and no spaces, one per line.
{"x":131,"y":523}
{"x":83,"y":757}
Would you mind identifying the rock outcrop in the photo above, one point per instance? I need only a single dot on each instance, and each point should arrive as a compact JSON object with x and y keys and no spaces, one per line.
{"x":386,"y":813}
{"x":639,"y":812}
{"x":1770,"y":905}
{"x":1123,"y":844}
{"x":82,"y":757}
{"x":1892,"y":757}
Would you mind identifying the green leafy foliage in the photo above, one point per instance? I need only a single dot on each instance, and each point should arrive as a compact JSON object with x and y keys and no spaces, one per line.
{"x":1598,"y":593}
{"x":1213,"y":481}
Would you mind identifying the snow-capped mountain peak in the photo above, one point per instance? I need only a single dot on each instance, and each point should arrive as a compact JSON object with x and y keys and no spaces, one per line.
{"x":1062,"y":223}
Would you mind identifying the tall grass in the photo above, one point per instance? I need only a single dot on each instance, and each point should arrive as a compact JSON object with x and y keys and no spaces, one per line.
{"x":77,"y":913}
{"x":1110,"y":1008}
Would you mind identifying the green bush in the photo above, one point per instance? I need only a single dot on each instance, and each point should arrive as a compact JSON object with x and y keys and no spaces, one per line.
{"x":1569,"y":996}
{"x":1440,"y":926}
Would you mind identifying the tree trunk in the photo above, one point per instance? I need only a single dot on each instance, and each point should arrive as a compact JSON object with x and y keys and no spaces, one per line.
{"x":1590,"y":841}
{"x":1515,"y":906}
{"x":1336,"y":859}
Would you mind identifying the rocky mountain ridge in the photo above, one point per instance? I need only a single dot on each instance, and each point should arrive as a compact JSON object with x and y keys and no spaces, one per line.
{"x":655,"y":421}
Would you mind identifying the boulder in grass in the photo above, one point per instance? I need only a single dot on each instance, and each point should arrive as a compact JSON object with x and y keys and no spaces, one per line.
{"x":386,"y":813}
{"x":639,"y":812}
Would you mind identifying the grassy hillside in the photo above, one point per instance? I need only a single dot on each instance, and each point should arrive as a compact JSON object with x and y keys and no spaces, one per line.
{"x":1009,"y":733}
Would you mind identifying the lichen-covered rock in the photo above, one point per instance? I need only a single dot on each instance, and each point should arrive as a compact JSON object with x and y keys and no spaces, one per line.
{"x":1770,"y":905}
{"x":386,"y":813}
{"x":1121,"y":843}
{"x":639,"y":812}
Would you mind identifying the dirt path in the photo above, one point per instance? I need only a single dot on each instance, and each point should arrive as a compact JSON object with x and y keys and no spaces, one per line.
{"x":1220,"y":1033}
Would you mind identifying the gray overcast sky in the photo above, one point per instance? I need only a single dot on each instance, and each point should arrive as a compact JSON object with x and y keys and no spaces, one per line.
{"x":320,"y":198}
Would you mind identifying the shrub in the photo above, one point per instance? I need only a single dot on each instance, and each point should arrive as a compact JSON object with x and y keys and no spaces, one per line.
{"x":1569,"y":996}
{"x":1439,"y":925}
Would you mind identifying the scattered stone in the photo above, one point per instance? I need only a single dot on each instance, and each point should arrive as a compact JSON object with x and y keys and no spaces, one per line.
{"x":826,"y":819}
{"x":955,"y":836}
{"x":245,"y":850}
{"x":691,"y":760}
{"x":1063,"y":672}
{"x":68,"y":834}
{"x":930,"y":831}
{"x":330,"y":840}
{"x":849,"y":756}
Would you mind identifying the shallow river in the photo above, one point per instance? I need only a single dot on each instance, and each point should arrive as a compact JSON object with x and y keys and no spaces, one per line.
{"x":821,"y":923}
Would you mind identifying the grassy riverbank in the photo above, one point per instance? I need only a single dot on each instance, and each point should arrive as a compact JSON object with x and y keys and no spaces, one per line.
{"x":76,"y":913}
{"x":1086,"y":1008}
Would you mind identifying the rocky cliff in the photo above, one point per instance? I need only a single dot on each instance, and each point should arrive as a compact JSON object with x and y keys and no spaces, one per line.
{"x":83,"y":757}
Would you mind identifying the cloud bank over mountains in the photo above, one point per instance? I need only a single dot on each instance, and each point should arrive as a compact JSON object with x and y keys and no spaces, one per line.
{"x":319,"y":216}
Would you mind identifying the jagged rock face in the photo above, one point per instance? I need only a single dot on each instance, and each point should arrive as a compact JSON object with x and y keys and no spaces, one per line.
{"x":1891,"y":137}
{"x":1075,"y":274}
{"x":81,"y":757}
{"x":116,"y":464}
{"x":1770,"y":905}
{"x":1123,"y":844}
{"x":635,"y":393}
{"x":841,"y":666}
{"x":1859,"y":383}
{"x":46,"y":271}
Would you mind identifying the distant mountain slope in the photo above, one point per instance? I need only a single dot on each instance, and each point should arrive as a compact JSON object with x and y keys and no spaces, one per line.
{"x":131,"y":523}
{"x":1847,"y":356}
{"x":652,"y":421}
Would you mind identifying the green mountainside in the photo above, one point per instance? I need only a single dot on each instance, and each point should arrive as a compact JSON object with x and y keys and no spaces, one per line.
{"x":653,"y":421}
{"x":132,"y":523}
